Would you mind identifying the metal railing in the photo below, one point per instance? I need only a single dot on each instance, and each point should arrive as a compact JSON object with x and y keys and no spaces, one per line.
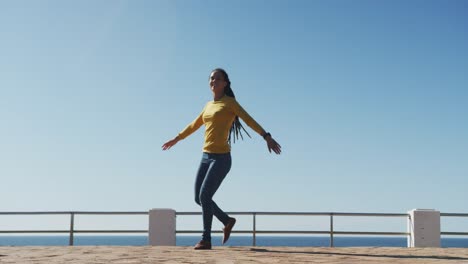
{"x":254,"y":231}
{"x":72,"y":231}
{"x":453,"y":215}
{"x":331,"y":232}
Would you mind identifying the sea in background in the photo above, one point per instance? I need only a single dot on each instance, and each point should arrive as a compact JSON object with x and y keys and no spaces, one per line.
{"x":266,"y":241}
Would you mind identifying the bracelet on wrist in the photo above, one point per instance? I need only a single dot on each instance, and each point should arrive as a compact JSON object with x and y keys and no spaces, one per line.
{"x":266,"y":135}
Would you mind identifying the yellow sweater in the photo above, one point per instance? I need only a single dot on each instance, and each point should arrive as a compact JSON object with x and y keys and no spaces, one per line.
{"x":218,"y":116}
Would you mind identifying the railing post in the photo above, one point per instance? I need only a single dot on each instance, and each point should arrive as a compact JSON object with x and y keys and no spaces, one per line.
{"x":424,"y":228}
{"x":72,"y":227}
{"x":331,"y":230}
{"x":162,"y":227}
{"x":254,"y":241}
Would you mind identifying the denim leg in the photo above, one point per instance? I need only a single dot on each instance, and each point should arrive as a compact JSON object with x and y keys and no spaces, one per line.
{"x":213,"y":169}
{"x":201,"y":174}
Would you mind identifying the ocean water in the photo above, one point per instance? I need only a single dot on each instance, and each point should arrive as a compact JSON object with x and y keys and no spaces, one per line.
{"x":270,"y":241}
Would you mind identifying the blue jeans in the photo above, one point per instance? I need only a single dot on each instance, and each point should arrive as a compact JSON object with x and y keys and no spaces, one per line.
{"x":213,"y":169}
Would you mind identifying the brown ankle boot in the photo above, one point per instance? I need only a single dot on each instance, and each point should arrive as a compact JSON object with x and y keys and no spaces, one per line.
{"x":202,"y":245}
{"x":228,"y":228}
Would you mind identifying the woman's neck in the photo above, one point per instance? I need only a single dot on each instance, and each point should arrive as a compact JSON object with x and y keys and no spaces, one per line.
{"x":216,"y":97}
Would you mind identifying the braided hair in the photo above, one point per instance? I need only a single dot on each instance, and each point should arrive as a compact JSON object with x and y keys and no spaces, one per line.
{"x":236,"y":127}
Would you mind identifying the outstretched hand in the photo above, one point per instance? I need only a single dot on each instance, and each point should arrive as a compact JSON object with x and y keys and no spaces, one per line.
{"x":273,"y":145}
{"x":170,"y":143}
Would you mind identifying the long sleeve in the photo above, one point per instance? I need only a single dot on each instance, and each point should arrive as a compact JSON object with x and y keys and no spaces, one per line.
{"x":192,"y":127}
{"x":239,"y":111}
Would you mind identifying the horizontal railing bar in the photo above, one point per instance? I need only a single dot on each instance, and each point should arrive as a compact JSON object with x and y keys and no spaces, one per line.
{"x":455,"y":233}
{"x":68,"y":231}
{"x":219,"y":232}
{"x":110,"y":213}
{"x":305,"y":214}
{"x":454,"y":214}
{"x":299,"y":232}
{"x":34,"y":213}
{"x":236,"y":213}
{"x":251,"y":232}
{"x":73,"y":212}
{"x":213,"y":232}
{"x":290,"y":232}
{"x":110,"y":231}
{"x":33,"y":231}
{"x":371,"y":233}
{"x":371,"y":214}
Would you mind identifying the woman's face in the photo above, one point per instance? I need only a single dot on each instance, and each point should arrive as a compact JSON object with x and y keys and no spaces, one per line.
{"x":217,"y":82}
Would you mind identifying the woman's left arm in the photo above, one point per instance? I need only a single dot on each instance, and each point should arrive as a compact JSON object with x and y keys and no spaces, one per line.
{"x":271,"y":143}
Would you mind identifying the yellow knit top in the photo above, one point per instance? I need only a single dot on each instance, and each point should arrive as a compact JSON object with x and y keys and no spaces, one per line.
{"x":218,"y":116}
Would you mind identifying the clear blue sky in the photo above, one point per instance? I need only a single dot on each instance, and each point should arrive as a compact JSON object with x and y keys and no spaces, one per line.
{"x":367,"y":98}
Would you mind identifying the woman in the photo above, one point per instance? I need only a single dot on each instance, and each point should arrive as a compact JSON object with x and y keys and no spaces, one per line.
{"x":221,"y":120}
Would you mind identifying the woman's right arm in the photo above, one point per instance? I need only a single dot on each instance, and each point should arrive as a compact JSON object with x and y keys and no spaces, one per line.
{"x":170,"y":143}
{"x":192,"y":127}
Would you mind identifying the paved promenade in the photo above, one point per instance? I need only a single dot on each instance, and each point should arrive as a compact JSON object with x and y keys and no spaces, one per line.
{"x":146,"y":254}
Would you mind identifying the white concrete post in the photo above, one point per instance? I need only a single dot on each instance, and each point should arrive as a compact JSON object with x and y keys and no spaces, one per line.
{"x":162,"y":227}
{"x":424,"y":228}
